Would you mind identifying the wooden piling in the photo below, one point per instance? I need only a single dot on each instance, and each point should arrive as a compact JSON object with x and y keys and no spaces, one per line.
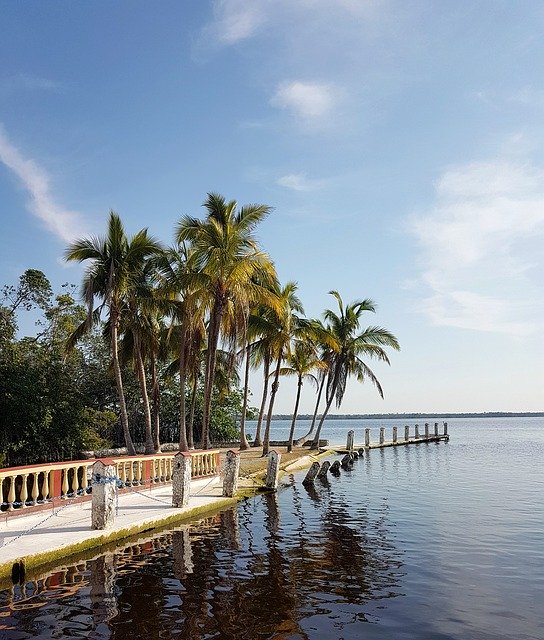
{"x":406,"y":432}
{"x":445,"y":428}
{"x":436,"y":429}
{"x":367,"y":437}
{"x":350,"y":440}
{"x":417,"y":432}
{"x":427,"y":430}
{"x":395,"y":434}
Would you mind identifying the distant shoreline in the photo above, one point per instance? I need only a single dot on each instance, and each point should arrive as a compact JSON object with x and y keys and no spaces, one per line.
{"x":393,"y":416}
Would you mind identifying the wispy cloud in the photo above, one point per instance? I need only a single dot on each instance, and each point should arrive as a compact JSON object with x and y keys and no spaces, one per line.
{"x":299,"y":182}
{"x":480,"y":248}
{"x":309,"y":101}
{"x":26,"y":82}
{"x":65,"y":224}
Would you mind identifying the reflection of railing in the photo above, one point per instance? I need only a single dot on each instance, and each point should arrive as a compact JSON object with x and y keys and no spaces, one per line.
{"x":41,"y":486}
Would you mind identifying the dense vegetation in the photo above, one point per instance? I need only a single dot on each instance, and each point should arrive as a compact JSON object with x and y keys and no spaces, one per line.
{"x":156,"y":354}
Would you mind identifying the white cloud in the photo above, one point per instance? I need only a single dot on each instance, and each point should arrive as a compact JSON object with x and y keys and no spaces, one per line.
{"x":481,"y":248}
{"x":66,"y":225}
{"x":25,"y":82}
{"x":299,"y":182}
{"x":307,"y":100}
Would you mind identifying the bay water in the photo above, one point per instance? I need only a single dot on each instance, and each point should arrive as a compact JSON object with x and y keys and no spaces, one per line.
{"x":430,"y":541}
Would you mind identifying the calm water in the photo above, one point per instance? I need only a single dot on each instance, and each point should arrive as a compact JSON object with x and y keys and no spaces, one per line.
{"x":431,"y":541}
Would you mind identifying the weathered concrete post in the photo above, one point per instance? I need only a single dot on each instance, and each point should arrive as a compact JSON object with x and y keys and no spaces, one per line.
{"x":406,"y":432}
{"x":350,"y":440}
{"x":417,"y":431}
{"x":367,"y":437}
{"x":426,"y":429}
{"x":231,"y":473}
{"x":181,"y":479}
{"x":104,"y":485}
{"x":436,"y":429}
{"x":312,"y":473}
{"x":382,"y":435}
{"x":445,"y":428}
{"x":394,"y":434}
{"x":322,"y":473}
{"x":273,"y":470}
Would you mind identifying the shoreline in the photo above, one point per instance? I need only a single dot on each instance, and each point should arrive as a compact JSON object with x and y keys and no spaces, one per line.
{"x":252,"y":473}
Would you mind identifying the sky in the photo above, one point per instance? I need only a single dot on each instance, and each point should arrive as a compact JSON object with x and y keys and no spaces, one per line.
{"x":399,"y":143}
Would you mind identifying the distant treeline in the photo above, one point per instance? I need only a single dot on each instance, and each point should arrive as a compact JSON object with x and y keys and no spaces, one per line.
{"x":403,"y":416}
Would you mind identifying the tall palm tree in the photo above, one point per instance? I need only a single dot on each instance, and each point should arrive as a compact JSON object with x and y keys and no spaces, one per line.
{"x":302,"y":361}
{"x":115,"y":268}
{"x":231,"y":261}
{"x":284,"y":326}
{"x":348,"y":348}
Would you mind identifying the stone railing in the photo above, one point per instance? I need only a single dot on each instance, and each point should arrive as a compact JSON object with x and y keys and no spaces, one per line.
{"x":47,"y":485}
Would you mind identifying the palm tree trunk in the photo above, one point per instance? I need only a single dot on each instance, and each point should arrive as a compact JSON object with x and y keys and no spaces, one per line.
{"x":315,"y":441}
{"x":156,"y":397}
{"x":149,"y":445}
{"x":274,"y":390}
{"x":119,"y":383}
{"x":243,"y":440}
{"x":305,"y":437}
{"x":190,"y":441}
{"x":211,"y":356}
{"x":258,"y":442}
{"x":295,"y":412}
{"x":183,"y":446}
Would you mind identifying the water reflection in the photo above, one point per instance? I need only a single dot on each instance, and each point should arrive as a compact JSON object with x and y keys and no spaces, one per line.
{"x":303,"y":563}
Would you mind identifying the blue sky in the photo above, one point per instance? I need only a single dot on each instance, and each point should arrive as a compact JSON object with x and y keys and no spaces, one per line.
{"x":400,"y":144}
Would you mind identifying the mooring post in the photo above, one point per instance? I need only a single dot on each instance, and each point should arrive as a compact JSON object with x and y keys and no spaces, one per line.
{"x":347,"y":461}
{"x":322,"y":473}
{"x":104,"y":484}
{"x":273,"y":470}
{"x":406,"y":432}
{"x":312,"y":473}
{"x":181,"y":479}
{"x":445,"y":428}
{"x":367,"y":437}
{"x":394,"y":434}
{"x":436,"y":429}
{"x":231,"y":473}
{"x":349,"y":443}
{"x":417,"y":431}
{"x":382,"y":435}
{"x":426,"y":429}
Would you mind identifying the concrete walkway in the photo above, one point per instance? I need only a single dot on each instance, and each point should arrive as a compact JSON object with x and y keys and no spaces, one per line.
{"x":54,"y":534}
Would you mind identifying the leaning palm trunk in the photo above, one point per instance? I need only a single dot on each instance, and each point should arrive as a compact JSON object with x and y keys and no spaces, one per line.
{"x":211,"y":357}
{"x":331,"y":391}
{"x":274,"y":390}
{"x":306,"y":436}
{"x":295,"y":412}
{"x":119,"y":383}
{"x":243,"y":439}
{"x":258,"y":442}
{"x":149,"y":445}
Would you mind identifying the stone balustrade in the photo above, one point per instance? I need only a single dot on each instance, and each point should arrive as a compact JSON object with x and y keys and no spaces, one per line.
{"x":47,"y":485}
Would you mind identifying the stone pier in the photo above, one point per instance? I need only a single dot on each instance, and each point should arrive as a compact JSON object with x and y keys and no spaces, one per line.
{"x":104,"y":484}
{"x":181,"y":479}
{"x":273,"y":470}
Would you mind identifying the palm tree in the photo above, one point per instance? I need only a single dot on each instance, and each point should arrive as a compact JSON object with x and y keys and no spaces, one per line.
{"x":301,"y":362}
{"x":115,"y":268}
{"x":231,"y":262}
{"x":284,"y":325}
{"x":348,"y":348}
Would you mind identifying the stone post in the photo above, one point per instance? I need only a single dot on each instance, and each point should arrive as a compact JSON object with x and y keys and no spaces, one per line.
{"x":231,"y":473}
{"x":182,"y":553}
{"x":273,"y":470}
{"x":349,"y":443}
{"x":406,"y":432}
{"x":367,"y":437}
{"x":417,"y":431}
{"x":104,"y":485}
{"x":394,"y":434}
{"x":312,"y":473}
{"x":322,"y":473}
{"x":436,"y":429}
{"x":445,"y":428}
{"x":181,"y":479}
{"x":382,"y":435}
{"x":426,"y":429}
